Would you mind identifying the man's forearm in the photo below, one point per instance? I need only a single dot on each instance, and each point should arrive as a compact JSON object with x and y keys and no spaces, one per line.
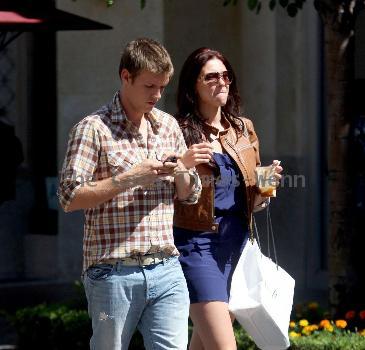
{"x":94,"y":193}
{"x":184,"y":185}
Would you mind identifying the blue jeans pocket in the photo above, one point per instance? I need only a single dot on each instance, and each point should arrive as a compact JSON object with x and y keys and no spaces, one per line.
{"x":99,"y":272}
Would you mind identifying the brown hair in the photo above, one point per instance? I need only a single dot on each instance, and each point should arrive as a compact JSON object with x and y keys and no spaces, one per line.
{"x":148,"y":54}
{"x":187,"y":99}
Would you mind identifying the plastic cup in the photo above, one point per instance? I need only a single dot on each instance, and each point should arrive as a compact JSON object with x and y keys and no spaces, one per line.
{"x":266,"y":180}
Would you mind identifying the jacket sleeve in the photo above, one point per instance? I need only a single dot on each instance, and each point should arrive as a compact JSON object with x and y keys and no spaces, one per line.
{"x":255,"y":142}
{"x":253,"y":139}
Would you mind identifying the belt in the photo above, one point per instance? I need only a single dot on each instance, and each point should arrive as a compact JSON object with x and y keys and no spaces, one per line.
{"x":139,"y":260}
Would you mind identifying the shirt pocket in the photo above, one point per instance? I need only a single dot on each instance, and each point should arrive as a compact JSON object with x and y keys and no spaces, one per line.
{"x":120,"y":161}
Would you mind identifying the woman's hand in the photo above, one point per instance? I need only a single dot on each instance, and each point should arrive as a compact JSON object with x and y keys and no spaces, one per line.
{"x":197,"y":154}
{"x":268,"y":179}
{"x":277,"y":169}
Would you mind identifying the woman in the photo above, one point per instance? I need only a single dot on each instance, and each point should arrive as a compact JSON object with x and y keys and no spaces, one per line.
{"x":211,"y":234}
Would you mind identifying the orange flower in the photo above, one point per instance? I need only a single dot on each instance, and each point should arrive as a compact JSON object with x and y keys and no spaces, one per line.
{"x":350,"y":315}
{"x":362,"y":314}
{"x":362,"y":332}
{"x":314,"y":327}
{"x":324,"y":323}
{"x":307,"y":330}
{"x":341,"y":324}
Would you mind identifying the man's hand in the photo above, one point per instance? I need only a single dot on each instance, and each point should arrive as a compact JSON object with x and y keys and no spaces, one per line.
{"x":148,"y":172}
{"x":174,"y":164}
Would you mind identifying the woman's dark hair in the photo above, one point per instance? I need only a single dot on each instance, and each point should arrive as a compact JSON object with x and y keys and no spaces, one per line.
{"x":191,"y":123}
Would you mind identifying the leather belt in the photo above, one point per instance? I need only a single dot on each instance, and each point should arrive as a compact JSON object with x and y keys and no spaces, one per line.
{"x":139,"y":260}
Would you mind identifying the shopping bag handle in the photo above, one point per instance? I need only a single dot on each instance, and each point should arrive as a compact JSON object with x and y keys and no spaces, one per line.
{"x":270,"y":235}
{"x":256,"y":232}
{"x":270,"y":232}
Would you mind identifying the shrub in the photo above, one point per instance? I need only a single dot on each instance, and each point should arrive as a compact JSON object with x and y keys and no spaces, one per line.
{"x":52,"y":327}
{"x":329,"y":341}
{"x":59,"y":327}
{"x":338,"y":339}
{"x":56,"y":327}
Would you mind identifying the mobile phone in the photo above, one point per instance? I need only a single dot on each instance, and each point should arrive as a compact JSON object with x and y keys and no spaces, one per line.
{"x":171,"y":159}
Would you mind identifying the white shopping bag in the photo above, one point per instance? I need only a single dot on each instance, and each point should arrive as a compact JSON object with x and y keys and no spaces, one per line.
{"x":261,"y":298}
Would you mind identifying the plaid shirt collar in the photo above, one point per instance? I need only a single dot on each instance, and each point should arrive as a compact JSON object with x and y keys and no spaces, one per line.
{"x":119,"y":116}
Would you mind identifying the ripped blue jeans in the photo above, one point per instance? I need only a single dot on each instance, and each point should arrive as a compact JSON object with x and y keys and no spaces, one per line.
{"x":154,"y":299}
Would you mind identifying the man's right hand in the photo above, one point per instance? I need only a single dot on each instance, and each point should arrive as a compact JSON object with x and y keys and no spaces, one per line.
{"x":148,"y":171}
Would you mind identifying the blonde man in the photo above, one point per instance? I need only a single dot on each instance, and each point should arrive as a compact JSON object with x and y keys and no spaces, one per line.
{"x":124,"y":166}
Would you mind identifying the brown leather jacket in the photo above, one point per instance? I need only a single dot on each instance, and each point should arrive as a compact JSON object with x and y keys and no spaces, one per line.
{"x":245,"y":152}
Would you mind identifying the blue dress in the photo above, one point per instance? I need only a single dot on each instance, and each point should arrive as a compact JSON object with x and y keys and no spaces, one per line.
{"x":208,"y":259}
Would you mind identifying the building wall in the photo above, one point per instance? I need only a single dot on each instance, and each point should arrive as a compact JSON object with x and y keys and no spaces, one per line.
{"x":277,"y":61}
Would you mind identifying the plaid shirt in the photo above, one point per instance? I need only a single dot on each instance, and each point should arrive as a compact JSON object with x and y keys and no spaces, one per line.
{"x":138,"y":220}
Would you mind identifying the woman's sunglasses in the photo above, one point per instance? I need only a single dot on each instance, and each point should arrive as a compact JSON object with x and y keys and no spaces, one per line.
{"x":214,"y":77}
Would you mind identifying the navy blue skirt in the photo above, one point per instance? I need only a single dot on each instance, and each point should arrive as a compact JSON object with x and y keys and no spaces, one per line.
{"x":208,"y":259}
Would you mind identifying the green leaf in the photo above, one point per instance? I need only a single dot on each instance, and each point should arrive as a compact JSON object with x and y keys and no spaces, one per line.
{"x":292,"y":10}
{"x":109,"y":3}
{"x":143,"y":4}
{"x":252,"y":4}
{"x":272,"y":4}
{"x":284,"y":3}
{"x":258,"y":9}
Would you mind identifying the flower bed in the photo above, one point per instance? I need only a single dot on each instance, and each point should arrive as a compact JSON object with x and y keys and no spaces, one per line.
{"x":65,"y":327}
{"x":313,"y":329}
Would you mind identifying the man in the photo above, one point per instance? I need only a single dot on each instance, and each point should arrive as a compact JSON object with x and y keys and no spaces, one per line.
{"x":118,"y":169}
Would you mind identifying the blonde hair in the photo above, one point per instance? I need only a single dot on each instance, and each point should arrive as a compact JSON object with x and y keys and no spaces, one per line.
{"x":148,"y":54}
